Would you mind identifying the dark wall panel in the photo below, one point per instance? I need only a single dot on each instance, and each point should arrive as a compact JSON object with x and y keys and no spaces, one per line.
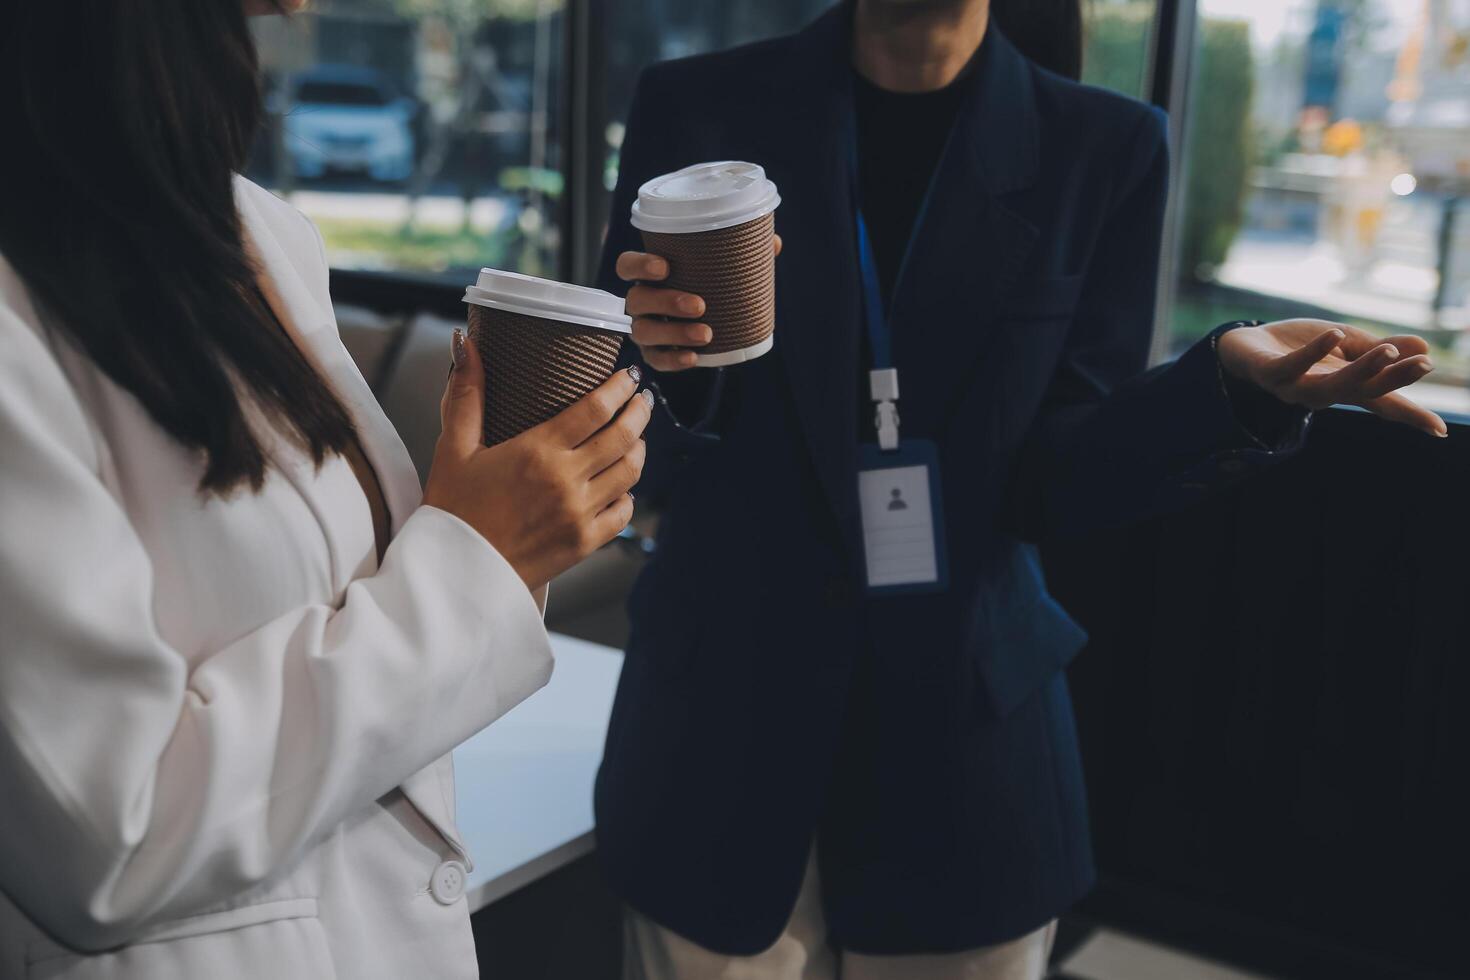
{"x":1272,"y":709}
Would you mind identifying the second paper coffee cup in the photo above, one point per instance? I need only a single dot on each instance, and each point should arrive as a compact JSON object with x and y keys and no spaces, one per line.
{"x":543,"y":345}
{"x":713,"y":223}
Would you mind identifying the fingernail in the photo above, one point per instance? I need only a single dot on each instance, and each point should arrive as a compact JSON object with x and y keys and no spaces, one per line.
{"x":1392,"y":352}
{"x":647,"y":395}
{"x":634,"y":373}
{"x":691,"y":304}
{"x":457,"y":348}
{"x":658,"y":267}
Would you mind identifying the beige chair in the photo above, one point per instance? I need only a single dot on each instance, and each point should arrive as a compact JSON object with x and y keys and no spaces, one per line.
{"x":371,"y":338}
{"x":414,"y":382}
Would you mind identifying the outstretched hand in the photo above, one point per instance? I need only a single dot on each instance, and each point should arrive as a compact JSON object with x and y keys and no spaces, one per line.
{"x":1315,"y":363}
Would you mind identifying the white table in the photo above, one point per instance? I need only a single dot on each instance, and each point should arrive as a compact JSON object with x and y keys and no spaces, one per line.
{"x":524,"y":784}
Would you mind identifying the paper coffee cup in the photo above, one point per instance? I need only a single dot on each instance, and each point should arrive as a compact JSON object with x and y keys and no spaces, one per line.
{"x":543,"y":345}
{"x":713,"y":223}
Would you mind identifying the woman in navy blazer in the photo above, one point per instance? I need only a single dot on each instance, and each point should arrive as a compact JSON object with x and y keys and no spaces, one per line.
{"x":920,"y":747}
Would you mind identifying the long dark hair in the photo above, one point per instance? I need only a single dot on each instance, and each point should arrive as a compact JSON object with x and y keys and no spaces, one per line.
{"x":1049,"y":32}
{"x":124,"y":124}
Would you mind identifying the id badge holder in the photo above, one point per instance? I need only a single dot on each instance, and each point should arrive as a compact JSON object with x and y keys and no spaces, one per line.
{"x":902,"y":519}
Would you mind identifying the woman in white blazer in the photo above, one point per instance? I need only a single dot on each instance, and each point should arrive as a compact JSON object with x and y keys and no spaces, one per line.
{"x":236,"y":646}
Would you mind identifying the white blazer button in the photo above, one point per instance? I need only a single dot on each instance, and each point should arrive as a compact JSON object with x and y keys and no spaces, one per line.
{"x":447,"y":885}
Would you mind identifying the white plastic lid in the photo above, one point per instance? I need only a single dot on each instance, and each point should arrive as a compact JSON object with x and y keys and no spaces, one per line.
{"x":705,"y":197}
{"x":515,"y":293}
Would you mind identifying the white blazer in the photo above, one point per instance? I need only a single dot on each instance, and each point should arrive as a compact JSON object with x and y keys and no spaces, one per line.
{"x":223,"y":728}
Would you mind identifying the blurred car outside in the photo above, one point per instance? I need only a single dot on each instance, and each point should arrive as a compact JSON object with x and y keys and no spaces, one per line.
{"x":349,"y":119}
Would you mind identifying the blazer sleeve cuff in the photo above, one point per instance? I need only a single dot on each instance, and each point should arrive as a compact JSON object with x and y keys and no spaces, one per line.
{"x":1228,"y":418}
{"x":1224,"y":438}
{"x":1268,"y":423}
{"x":481,"y":596}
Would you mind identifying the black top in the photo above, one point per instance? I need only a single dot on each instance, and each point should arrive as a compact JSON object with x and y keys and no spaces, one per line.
{"x":900,"y":137}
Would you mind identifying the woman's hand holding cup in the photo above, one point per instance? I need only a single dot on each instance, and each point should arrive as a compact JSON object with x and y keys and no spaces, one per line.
{"x":552,"y":495}
{"x":666,"y":325}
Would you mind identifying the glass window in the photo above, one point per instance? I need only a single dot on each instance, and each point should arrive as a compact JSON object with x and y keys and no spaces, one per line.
{"x":640,"y":34}
{"x":1118,"y":41}
{"x":1326,"y":170}
{"x":420,"y":135}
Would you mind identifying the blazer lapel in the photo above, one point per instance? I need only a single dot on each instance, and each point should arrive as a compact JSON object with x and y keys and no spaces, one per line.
{"x":968,"y":246}
{"x":309,"y":320}
{"x":817,"y":311}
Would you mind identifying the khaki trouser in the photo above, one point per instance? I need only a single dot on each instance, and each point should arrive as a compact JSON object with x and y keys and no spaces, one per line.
{"x":651,"y":952}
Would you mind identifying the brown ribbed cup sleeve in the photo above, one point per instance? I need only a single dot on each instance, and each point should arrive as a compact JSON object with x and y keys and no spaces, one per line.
{"x":734,"y":269}
{"x":536,"y":367}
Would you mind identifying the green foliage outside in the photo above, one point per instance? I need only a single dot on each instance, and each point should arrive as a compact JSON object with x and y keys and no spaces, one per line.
{"x":1220,"y":146}
{"x":470,"y":13}
{"x":367,"y":243}
{"x":1116,"y":52}
{"x":1219,"y":136}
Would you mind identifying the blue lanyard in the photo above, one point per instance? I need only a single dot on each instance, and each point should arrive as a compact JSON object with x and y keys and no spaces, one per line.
{"x":873,"y":313}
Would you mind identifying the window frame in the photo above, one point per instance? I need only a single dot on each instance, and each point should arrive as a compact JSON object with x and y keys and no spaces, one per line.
{"x":1170,"y":71}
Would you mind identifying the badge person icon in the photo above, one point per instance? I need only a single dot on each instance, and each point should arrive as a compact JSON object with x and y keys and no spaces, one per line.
{"x":897,"y":503}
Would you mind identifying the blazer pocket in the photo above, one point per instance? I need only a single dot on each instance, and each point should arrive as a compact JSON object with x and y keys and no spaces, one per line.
{"x":1042,"y":299}
{"x":281,"y":939}
{"x":1024,"y":654}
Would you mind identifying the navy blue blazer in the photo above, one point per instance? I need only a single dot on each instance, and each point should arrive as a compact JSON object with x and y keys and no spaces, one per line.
{"x":924,"y":743}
